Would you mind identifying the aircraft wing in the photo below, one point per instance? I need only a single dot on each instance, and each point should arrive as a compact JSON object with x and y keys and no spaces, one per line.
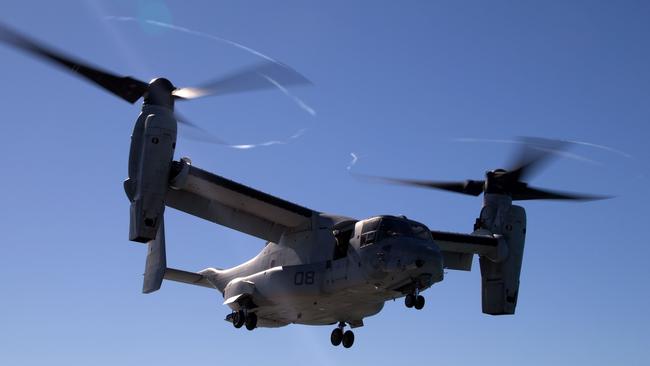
{"x":458,"y":249}
{"x":234,"y":205}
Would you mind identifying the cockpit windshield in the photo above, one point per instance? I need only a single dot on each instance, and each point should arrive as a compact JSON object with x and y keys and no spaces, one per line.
{"x":390,"y":228}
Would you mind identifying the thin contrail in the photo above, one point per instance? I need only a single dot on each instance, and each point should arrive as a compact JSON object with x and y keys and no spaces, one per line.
{"x":569,"y":155}
{"x":270,"y":143}
{"x":193,"y":32}
{"x":554,"y":151}
{"x":299,"y":102}
{"x":471,"y":139}
{"x":602,"y":147}
{"x":575,"y":142}
{"x":354,"y":160}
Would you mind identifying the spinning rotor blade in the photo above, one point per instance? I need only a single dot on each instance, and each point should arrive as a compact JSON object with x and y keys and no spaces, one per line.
{"x":261,"y":76}
{"x":470,"y":187}
{"x":204,"y":136}
{"x":533,"y":155}
{"x":265,"y":75}
{"x":535,"y":152}
{"x":125,"y":87}
{"x":530,"y":193}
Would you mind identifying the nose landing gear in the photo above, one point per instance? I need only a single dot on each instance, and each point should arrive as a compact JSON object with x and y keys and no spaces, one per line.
{"x":338,"y":336}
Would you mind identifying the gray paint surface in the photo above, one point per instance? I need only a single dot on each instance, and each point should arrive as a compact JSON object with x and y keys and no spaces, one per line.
{"x":300,"y":277}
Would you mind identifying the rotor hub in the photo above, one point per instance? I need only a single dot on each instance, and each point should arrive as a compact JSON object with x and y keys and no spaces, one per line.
{"x":159,"y":92}
{"x":496,"y":181}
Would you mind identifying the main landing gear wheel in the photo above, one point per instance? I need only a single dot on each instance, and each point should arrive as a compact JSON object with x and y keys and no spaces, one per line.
{"x":419,"y":302}
{"x":238,"y":319}
{"x":409,"y":300}
{"x":414,"y":301}
{"x":348,"y":339}
{"x":251,"y":321}
{"x":337,"y":336}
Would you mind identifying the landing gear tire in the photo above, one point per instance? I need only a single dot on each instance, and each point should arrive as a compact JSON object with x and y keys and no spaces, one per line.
{"x":238,"y":319}
{"x":409,"y":300}
{"x":337,"y":336}
{"x":348,"y":339}
{"x":419,"y":302}
{"x":251,"y":321}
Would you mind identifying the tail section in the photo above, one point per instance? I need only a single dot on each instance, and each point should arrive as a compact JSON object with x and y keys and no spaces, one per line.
{"x":156,"y":267}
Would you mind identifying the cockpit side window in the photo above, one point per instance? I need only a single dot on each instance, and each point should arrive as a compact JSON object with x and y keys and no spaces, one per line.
{"x":420,"y":231}
{"x":342,"y":242}
{"x":369,"y":232}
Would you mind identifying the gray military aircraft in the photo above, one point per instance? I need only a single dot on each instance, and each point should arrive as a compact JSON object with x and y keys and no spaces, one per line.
{"x":316,"y":268}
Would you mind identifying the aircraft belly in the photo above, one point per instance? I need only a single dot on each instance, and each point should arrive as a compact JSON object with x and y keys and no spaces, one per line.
{"x":349,"y":305}
{"x":306,"y":294}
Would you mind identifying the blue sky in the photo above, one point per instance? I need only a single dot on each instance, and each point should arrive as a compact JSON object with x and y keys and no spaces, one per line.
{"x":396,"y":83}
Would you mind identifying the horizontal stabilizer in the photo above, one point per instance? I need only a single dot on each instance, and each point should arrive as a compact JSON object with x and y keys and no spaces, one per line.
{"x":191,"y":278}
{"x":156,"y":267}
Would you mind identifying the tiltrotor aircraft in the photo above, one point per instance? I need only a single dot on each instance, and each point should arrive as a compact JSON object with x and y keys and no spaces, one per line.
{"x":316,"y":268}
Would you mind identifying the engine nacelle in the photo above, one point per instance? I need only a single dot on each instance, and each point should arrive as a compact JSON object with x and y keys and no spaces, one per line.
{"x":152,"y":150}
{"x":500,"y":278}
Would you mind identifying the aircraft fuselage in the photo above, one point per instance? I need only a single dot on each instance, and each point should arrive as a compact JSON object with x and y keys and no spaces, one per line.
{"x":369,"y":262}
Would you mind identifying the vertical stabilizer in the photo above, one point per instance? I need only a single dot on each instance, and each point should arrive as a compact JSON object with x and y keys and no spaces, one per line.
{"x":154,"y":270}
